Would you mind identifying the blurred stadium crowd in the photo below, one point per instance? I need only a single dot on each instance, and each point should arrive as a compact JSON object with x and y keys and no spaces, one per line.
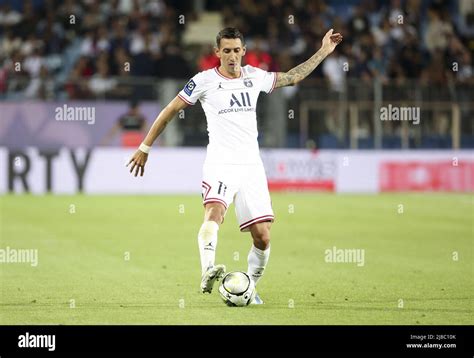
{"x":109,"y":49}
{"x":92,"y":40}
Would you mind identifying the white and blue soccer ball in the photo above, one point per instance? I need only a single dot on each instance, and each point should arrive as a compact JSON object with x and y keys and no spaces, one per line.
{"x":237,"y":289}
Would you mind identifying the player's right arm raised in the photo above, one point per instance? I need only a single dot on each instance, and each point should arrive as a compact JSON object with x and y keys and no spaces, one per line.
{"x":140,"y":157}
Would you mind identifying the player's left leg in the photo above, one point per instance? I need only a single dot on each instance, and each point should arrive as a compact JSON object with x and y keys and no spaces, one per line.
{"x":260,"y":250}
{"x":259,"y":254}
{"x":255,"y":214}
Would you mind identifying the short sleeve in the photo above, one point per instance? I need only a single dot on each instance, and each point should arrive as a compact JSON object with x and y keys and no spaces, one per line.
{"x":268,"y":81}
{"x":193,"y":90}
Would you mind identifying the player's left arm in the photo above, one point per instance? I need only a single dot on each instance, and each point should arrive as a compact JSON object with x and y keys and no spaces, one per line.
{"x":298,"y":73}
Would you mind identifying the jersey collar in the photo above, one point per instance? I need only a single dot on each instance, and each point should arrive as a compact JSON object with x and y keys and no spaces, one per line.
{"x":228,"y":78}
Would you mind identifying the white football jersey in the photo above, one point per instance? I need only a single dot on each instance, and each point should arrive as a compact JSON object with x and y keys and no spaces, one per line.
{"x":230,"y":106}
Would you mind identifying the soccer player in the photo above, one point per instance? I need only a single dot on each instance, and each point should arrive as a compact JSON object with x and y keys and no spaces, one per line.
{"x":233,"y":170}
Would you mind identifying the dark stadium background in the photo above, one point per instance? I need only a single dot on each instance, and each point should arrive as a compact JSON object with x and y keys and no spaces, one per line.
{"x":414,"y":52}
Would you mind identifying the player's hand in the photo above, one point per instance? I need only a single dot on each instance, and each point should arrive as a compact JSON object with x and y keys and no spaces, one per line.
{"x":138,"y":162}
{"x":331,"y":40}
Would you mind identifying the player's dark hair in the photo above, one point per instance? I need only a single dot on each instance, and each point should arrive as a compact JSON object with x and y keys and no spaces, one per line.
{"x":229,"y":33}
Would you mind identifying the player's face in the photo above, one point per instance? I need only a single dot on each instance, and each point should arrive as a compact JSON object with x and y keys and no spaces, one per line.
{"x":230,"y":53}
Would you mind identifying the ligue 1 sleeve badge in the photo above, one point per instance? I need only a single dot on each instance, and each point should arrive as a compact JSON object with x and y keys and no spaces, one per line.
{"x":189,"y":88}
{"x":248,"y":82}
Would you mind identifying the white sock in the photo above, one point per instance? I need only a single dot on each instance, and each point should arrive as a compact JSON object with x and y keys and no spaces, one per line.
{"x":207,"y":241}
{"x":257,"y":260}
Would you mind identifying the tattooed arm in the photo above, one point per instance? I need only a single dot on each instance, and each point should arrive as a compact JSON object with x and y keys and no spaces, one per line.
{"x":298,"y":73}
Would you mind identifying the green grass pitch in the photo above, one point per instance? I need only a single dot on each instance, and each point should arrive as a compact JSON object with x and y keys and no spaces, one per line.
{"x":134,"y":260}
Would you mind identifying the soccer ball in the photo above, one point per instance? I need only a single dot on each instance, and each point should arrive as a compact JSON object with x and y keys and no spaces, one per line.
{"x":237,"y":289}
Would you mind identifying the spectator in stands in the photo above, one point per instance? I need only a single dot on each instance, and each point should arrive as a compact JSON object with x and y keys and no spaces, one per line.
{"x":387,"y":41}
{"x":436,"y":74}
{"x":377,"y":66}
{"x":14,"y":75}
{"x":76,"y":85}
{"x":437,"y":32}
{"x":51,"y":33}
{"x":143,"y":40}
{"x":257,"y":56}
{"x":381,"y":33}
{"x":410,"y":56}
{"x":413,"y":12}
{"x":121,"y":62}
{"x":101,"y":84}
{"x":172,"y":64}
{"x":131,"y":126}
{"x":8,"y":16}
{"x":144,"y":60}
{"x":119,"y":36}
{"x":70,"y":15}
{"x":93,"y":17}
{"x":359,"y":23}
{"x":208,"y":58}
{"x":465,"y":72}
{"x":40,"y":87}
{"x":335,"y":68}
{"x":34,"y":62}
{"x":9,"y":43}
{"x":29,"y":20}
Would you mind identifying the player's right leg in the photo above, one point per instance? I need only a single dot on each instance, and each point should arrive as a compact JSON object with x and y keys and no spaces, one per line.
{"x":218,"y":193}
{"x":207,"y":241}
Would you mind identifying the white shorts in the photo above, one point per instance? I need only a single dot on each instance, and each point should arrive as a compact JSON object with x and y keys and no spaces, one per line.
{"x":246,"y":185}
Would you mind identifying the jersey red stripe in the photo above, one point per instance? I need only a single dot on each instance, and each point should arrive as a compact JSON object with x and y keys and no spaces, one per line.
{"x":258,"y":219}
{"x":185,"y":100}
